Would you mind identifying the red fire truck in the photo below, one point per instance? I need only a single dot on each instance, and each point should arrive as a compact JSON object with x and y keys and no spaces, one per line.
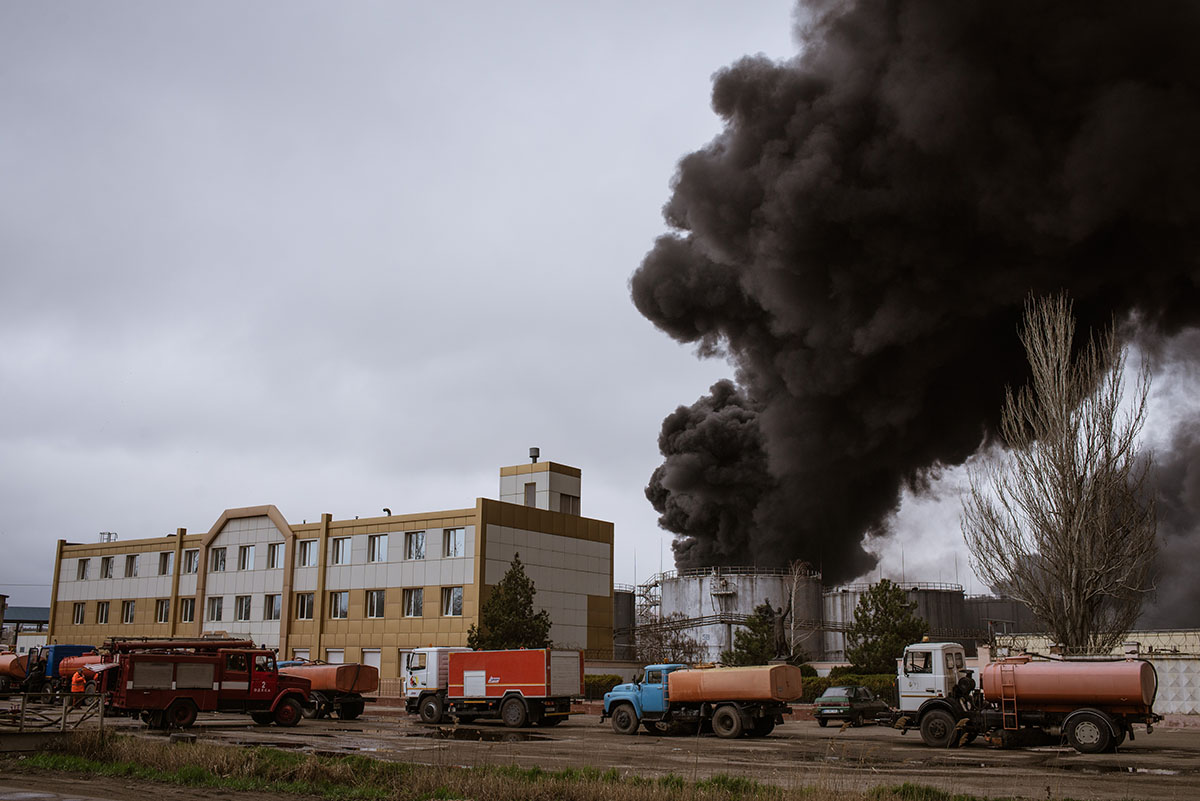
{"x":167,"y":682}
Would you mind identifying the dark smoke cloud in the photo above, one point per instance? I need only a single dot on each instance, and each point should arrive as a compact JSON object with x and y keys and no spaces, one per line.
{"x":860,"y":238}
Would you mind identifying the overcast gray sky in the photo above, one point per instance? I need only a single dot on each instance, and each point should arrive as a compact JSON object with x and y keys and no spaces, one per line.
{"x":337,"y":256}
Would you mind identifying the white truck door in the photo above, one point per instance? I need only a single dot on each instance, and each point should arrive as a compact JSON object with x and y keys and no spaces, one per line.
{"x":917,"y":678}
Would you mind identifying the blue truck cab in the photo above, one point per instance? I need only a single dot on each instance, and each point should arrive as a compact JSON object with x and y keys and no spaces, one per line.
{"x":648,"y":699}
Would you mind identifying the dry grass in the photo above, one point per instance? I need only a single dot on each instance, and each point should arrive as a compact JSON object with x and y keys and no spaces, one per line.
{"x":271,"y":770}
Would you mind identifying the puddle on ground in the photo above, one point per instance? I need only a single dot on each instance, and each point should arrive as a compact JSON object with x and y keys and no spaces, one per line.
{"x":484,"y":735}
{"x":1092,"y":768}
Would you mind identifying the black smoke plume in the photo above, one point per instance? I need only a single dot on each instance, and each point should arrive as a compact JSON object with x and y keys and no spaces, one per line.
{"x":861,"y":236}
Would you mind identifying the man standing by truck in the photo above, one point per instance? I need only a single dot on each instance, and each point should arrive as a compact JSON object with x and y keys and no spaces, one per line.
{"x":78,"y":687}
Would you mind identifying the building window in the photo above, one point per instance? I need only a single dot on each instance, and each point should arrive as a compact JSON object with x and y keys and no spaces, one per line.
{"x":81,"y":569}
{"x":454,"y":542}
{"x":106,"y":566}
{"x":307,"y":553}
{"x":304,"y":606}
{"x":191,"y":561}
{"x":377,"y":548}
{"x":166,"y":563}
{"x":215,"y":608}
{"x":375,"y":601}
{"x":339,"y":605}
{"x":340,"y":551}
{"x":162,"y":610}
{"x":131,"y":565}
{"x":78,"y":613}
{"x":102,"y":612}
{"x":246,"y":557}
{"x":568,"y":504}
{"x":414,"y":602}
{"x":531,"y":494}
{"x":241,"y":607}
{"x":187,"y":610}
{"x":414,"y":545}
{"x":216,"y":560}
{"x":452,"y":601}
{"x":127,"y":610}
{"x":271,"y":606}
{"x":274,"y":555}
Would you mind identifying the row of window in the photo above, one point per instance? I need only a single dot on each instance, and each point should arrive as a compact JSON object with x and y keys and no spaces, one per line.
{"x":453,"y":545}
{"x":339,"y":606}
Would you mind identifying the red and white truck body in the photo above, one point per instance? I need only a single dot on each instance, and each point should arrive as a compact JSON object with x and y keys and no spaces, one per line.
{"x":519,"y":686}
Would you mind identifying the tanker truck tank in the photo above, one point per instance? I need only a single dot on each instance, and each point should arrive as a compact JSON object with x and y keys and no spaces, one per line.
{"x":1128,"y":686}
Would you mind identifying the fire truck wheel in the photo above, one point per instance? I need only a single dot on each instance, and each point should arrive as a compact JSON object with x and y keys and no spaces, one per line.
{"x":624,"y":719}
{"x":431,"y":709}
{"x":181,"y":713}
{"x":513,"y":713}
{"x":727,"y":723}
{"x":1088,"y":733}
{"x":288,"y":713}
{"x":263,"y":718}
{"x":937,"y":728}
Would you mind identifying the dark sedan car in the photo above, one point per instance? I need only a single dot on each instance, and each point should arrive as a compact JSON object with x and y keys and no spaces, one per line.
{"x":854,"y":704}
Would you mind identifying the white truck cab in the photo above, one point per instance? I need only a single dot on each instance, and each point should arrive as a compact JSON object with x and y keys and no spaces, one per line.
{"x":425,"y":670}
{"x":929,"y":670}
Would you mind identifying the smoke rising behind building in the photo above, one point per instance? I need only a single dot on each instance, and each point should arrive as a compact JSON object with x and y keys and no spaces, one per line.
{"x":860,"y":238}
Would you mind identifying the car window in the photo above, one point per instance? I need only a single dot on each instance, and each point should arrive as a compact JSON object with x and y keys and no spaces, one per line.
{"x":838,"y":692}
{"x":653,"y":677}
{"x":918,"y":662}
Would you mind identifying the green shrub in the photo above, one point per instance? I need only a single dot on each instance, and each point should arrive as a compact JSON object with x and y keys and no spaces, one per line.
{"x":807,"y":671}
{"x":594,"y":687}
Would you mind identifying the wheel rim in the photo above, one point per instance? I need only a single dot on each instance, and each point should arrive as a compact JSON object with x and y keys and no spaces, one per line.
{"x":286,"y":713}
{"x":722,"y":723}
{"x":938,"y":729}
{"x":623,"y":717}
{"x":1087,"y":732}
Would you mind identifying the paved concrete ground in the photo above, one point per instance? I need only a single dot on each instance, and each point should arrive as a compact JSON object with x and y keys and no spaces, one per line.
{"x":1163,"y":765}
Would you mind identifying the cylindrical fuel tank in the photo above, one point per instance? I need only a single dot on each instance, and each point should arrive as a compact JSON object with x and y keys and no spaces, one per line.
{"x":1131,"y":683}
{"x":345,"y":678}
{"x":14,"y":666}
{"x":758,"y":683}
{"x":68,"y":665}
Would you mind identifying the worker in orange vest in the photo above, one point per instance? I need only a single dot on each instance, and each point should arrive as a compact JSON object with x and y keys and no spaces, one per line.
{"x":78,"y":686}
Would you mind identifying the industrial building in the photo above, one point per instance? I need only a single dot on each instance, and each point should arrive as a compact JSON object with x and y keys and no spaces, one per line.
{"x":349,"y":590}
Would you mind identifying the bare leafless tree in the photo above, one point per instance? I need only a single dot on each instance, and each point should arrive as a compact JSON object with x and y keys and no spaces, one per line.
{"x":669,"y":641}
{"x":1063,"y":519}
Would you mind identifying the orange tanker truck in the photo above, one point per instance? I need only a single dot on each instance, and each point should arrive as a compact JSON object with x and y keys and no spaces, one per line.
{"x":676,"y":699}
{"x":335,"y":688}
{"x":1020,"y":700}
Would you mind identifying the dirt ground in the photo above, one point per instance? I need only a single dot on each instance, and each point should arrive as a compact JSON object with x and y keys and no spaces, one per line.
{"x":1163,"y":765}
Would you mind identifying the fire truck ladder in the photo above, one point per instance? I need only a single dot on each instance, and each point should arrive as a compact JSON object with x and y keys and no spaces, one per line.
{"x":1008,"y":697}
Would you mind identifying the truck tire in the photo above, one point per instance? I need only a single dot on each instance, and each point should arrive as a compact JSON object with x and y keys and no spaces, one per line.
{"x":513,"y":713}
{"x":727,"y":722}
{"x":624,"y":719}
{"x":288,"y":713}
{"x":1089,"y":733}
{"x":349,"y":710}
{"x":937,"y":728}
{"x":263,"y":718}
{"x":430,"y":709}
{"x":762,"y":727}
{"x":181,"y":714}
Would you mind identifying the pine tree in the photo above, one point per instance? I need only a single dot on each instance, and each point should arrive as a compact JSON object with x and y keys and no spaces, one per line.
{"x":506,"y":618}
{"x":884,"y":622}
{"x":754,"y":644}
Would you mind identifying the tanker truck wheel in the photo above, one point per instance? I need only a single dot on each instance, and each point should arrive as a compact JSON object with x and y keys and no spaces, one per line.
{"x":727,"y":723}
{"x":937,"y":728}
{"x":762,"y":727}
{"x":349,"y":710}
{"x":431,"y":709}
{"x":624,"y":719}
{"x":1088,"y":733}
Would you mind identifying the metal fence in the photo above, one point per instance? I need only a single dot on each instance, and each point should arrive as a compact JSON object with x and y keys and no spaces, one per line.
{"x":31,"y":712}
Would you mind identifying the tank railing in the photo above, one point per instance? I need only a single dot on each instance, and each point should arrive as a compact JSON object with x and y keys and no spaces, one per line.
{"x":624,"y":588}
{"x":904,"y":585}
{"x":732,"y":570}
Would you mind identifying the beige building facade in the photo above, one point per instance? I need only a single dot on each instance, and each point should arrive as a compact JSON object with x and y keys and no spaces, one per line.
{"x":363,"y":590}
